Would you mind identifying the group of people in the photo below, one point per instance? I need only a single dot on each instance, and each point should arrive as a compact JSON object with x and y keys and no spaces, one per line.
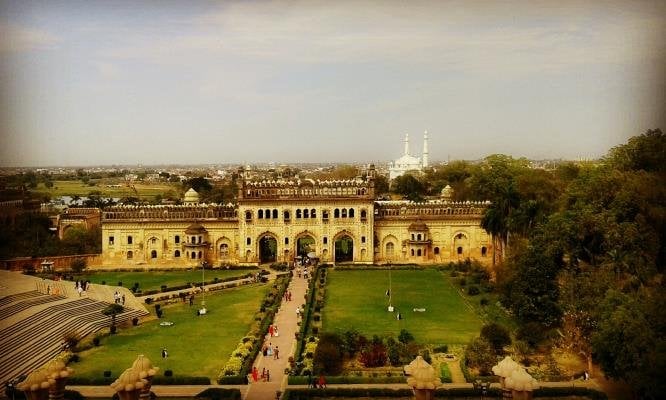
{"x":118,"y":298}
{"x":265,"y":375}
{"x":303,"y":272}
{"x":269,"y":351}
{"x":315,"y":383}
{"x":273,"y":330}
{"x":81,"y":286}
{"x":287,"y":295}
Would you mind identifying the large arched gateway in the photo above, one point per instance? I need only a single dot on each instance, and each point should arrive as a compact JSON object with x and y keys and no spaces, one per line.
{"x":344,"y":248}
{"x":267,"y":249}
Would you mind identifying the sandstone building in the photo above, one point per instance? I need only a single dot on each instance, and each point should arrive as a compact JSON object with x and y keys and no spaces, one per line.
{"x":276,"y":221}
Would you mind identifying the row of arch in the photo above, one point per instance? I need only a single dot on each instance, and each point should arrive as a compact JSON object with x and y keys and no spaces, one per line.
{"x":305,"y":213}
{"x":323,"y":191}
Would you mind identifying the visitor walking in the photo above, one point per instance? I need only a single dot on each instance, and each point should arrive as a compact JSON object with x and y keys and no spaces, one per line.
{"x":277,"y":353}
{"x":165,"y":354}
{"x":255,"y":374}
{"x":322,"y":381}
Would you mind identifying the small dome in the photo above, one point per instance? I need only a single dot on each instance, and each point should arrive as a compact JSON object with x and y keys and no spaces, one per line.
{"x":194,"y":229}
{"x":418,"y":226}
{"x":447,"y":192}
{"x":191,"y":197}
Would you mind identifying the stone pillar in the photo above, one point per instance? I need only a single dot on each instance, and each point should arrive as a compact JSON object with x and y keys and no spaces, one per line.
{"x":129,"y":385}
{"x":36,"y":385}
{"x":422,"y":378}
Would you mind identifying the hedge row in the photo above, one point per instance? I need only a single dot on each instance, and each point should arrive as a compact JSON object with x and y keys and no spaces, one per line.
{"x":220,"y":394}
{"x":350,"y":380}
{"x":157,"y":380}
{"x":281,"y":283}
{"x":181,"y":380}
{"x":298,"y":394}
{"x":307,"y":312}
{"x":169,"y":295}
{"x":304,"y":394}
{"x":570,"y":391}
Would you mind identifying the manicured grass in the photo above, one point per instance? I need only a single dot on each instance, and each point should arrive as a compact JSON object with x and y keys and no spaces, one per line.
{"x":151,"y":280}
{"x":357,"y":300}
{"x":197,"y":346}
{"x":78,"y":188}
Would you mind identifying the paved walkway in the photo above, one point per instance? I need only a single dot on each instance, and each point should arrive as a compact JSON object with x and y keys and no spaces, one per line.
{"x":457,"y":375}
{"x":287,"y":323}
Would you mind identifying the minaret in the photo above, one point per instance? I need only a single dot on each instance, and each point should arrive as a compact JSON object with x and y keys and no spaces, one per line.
{"x":425,"y":149}
{"x":406,"y":144}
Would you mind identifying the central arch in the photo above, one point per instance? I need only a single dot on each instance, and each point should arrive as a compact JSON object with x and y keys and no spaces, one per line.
{"x":267,"y":249}
{"x":305,"y":243}
{"x":344,"y":247}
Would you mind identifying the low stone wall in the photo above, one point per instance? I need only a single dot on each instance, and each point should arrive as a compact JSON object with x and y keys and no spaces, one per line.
{"x":60,"y":263}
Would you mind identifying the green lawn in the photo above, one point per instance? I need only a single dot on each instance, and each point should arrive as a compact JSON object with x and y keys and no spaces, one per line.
{"x":151,"y":280}
{"x":357,"y":300}
{"x":197,"y":346}
{"x":78,"y":188}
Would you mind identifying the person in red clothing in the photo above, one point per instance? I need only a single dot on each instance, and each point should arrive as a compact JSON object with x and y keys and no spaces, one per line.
{"x":322,"y":381}
{"x":255,"y":374}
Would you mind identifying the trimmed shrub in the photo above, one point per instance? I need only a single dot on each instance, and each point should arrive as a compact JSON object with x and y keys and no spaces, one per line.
{"x":497,"y":336}
{"x":135,"y":321}
{"x":473,"y":290}
{"x":96,"y":341}
{"x":168,"y":372}
{"x":107,"y":374}
{"x":405,"y":336}
{"x":441,"y":349}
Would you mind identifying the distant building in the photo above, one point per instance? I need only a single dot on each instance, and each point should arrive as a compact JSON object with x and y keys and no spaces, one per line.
{"x":280,"y":220}
{"x":408,"y":162}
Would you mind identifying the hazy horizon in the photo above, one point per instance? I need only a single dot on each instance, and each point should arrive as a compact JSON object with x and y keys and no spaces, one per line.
{"x":192,"y":83}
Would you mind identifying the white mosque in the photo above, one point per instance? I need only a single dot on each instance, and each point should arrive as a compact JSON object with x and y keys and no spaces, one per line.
{"x":408,"y":162}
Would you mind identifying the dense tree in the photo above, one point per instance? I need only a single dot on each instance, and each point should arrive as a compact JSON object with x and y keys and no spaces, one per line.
{"x":328,"y":355}
{"x":409,"y":187}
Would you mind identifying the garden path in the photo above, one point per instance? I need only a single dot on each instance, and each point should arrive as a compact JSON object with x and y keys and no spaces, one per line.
{"x":456,"y":372}
{"x":287,"y":323}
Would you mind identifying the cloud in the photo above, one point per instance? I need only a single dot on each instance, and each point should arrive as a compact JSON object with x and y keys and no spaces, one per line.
{"x":17,"y":39}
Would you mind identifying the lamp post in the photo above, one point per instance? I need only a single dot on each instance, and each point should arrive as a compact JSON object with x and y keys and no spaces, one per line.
{"x":203,"y":289}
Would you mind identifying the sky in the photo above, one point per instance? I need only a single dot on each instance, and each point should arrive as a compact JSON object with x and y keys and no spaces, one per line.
{"x":155,"y":82}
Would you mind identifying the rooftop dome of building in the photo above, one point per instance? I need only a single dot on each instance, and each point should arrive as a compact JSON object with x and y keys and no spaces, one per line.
{"x":447,"y":192}
{"x":191,"y":196}
{"x":194,"y":229}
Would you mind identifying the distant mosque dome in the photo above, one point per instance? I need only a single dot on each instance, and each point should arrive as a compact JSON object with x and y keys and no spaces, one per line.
{"x":409,"y":162}
{"x":447,"y":193}
{"x":191,"y":197}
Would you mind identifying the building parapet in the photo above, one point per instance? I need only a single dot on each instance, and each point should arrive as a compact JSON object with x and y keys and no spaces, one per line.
{"x":429,"y":209}
{"x":307,"y":188}
{"x":171,"y":212}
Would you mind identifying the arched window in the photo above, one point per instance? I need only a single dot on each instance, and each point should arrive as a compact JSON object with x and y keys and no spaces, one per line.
{"x":153,"y":254}
{"x":260,"y":214}
{"x":344,"y":213}
{"x":364,"y":214}
{"x":176,"y":239}
{"x":199,"y":240}
{"x":176,"y":253}
{"x":336,"y":213}
{"x":313,"y":213}
{"x":459,"y":250}
{"x":286,"y":215}
{"x":298,"y":213}
{"x":362,"y":239}
{"x":193,"y":255}
{"x":224,"y":250}
{"x":306,"y":213}
{"x":275,"y":213}
{"x":248,"y":241}
{"x":267,"y":213}
{"x":412,"y":236}
{"x":248,"y":215}
{"x":418,"y":237}
{"x":390,"y":248}
{"x":199,"y":254}
{"x":286,"y":240}
{"x":130,"y":255}
{"x":412,"y":252}
{"x":484,"y":251}
{"x":418,"y":252}
{"x":325,"y":240}
{"x":436,"y":250}
{"x":129,"y":240}
{"x":153,"y":240}
{"x":351,"y":213}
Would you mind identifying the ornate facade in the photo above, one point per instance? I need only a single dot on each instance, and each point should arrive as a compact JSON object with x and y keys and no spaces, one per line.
{"x":275,"y":221}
